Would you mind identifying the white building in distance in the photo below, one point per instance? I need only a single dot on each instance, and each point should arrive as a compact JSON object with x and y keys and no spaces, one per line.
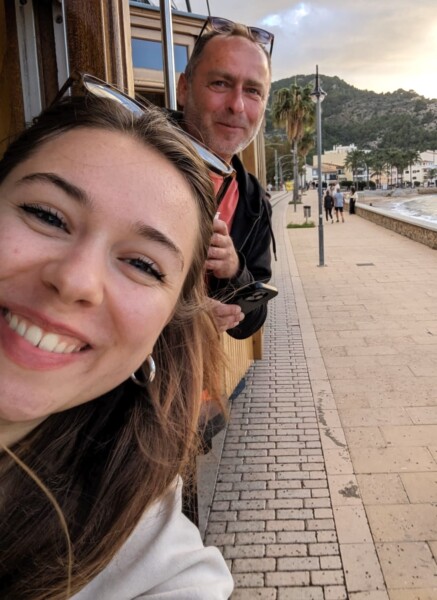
{"x":333,"y":169}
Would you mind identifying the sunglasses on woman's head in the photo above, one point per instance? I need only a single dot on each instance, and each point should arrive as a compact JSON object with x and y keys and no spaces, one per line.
{"x":220,"y":25}
{"x":100,"y":88}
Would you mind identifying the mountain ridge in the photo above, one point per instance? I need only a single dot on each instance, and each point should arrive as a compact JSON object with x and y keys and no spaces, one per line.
{"x":368,"y":119}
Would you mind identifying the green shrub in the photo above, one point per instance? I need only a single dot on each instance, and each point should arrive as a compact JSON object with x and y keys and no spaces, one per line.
{"x":300,"y":225}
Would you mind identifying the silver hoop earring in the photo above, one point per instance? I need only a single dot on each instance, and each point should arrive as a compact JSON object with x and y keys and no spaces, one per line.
{"x":152,"y":372}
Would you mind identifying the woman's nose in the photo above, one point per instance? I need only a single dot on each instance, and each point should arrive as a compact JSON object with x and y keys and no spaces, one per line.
{"x":77,"y":276}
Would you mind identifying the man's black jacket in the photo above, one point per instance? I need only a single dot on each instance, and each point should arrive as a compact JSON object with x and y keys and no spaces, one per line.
{"x":252,"y":235}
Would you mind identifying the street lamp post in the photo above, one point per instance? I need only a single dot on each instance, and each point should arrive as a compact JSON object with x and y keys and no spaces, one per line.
{"x":281,"y":170}
{"x":317,"y":96}
{"x":277,"y":163}
{"x":285,"y":157}
{"x":276,"y":170}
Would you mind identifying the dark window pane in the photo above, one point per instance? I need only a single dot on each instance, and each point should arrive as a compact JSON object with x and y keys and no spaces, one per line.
{"x":147,"y":54}
{"x":157,"y":98}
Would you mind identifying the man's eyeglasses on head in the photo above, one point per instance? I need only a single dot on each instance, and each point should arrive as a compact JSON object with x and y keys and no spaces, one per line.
{"x":220,"y":25}
{"x":100,"y":88}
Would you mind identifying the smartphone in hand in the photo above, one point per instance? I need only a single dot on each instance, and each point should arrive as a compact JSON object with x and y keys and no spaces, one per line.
{"x":252,"y":296}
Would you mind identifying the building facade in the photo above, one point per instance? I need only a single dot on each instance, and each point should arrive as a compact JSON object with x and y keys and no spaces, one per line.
{"x":418,"y":174}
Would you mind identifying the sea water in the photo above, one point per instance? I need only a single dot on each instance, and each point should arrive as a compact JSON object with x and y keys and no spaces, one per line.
{"x":423,"y":207}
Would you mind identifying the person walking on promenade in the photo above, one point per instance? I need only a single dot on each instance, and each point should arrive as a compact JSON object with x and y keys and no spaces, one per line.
{"x":339,"y":205}
{"x":352,"y":200}
{"x":328,"y":203}
{"x":223,"y":94}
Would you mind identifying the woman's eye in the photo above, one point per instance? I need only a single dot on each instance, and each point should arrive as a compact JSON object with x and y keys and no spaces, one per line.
{"x":147,"y":267}
{"x":48,"y":216}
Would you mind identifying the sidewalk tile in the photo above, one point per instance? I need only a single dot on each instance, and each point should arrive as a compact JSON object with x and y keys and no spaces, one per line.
{"x":407,"y":565}
{"x":403,"y":522}
{"x":392,"y":460}
{"x":361,"y":567}
{"x":414,"y":594}
{"x":344,"y":490}
{"x":382,"y":488}
{"x":351,"y":524}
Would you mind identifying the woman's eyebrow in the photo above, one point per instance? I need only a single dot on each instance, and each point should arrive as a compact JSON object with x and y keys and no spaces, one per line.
{"x":154,"y":235}
{"x":72,"y":190}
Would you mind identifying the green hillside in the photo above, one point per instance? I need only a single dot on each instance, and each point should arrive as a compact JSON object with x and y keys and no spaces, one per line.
{"x":401,"y":119}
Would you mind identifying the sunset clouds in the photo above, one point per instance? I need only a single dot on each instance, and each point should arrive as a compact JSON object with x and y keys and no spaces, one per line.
{"x":380,"y":45}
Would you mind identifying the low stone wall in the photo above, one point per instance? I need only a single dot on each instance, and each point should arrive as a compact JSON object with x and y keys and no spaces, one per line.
{"x":407,"y":226}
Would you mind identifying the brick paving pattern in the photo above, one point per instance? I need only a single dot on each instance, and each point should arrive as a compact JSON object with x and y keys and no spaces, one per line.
{"x":271,"y":515}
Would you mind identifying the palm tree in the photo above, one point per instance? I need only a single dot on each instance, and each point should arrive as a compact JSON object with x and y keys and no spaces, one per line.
{"x":306,"y":143}
{"x":400,"y":159}
{"x":355,"y":159}
{"x":413,"y":156}
{"x":377,"y":162}
{"x":390,"y":159}
{"x":293,"y":109}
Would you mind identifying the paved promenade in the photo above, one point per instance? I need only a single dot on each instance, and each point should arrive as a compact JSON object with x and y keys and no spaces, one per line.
{"x":327,"y":487}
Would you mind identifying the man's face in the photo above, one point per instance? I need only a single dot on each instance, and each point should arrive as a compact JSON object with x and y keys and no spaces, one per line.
{"x":225,"y":100}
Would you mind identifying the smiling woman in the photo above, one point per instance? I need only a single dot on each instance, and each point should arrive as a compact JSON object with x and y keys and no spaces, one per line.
{"x":105,"y":222}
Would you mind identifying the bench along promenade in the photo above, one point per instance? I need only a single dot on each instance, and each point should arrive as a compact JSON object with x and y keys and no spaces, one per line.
{"x":327,"y":484}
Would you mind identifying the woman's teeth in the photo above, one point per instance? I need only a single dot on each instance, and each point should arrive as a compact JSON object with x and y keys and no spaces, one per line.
{"x":51,"y":342}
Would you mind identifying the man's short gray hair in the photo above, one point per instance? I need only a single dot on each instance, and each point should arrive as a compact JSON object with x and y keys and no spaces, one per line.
{"x":199,"y":46}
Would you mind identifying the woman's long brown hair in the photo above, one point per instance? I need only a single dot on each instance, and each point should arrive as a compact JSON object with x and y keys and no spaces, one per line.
{"x":106,"y":461}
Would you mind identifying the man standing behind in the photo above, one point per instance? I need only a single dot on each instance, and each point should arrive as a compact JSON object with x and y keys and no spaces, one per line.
{"x":223,"y":93}
{"x":339,"y":204}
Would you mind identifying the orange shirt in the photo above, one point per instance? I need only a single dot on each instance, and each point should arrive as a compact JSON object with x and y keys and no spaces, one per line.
{"x":229,"y":203}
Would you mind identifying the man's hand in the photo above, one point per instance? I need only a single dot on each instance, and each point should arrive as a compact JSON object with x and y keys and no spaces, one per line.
{"x":222,"y":258}
{"x":226,"y":316}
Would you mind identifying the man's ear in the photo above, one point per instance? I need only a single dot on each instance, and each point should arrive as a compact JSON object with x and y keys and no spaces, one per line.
{"x":181,"y":91}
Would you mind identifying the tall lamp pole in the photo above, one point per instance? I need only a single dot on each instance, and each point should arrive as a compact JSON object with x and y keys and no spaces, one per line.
{"x":276,"y":171}
{"x":317,"y":96}
{"x":281,"y":170}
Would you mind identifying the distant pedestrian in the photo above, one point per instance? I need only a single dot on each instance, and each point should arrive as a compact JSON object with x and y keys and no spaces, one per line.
{"x":352,"y":200}
{"x":328,"y":203}
{"x":339,"y":205}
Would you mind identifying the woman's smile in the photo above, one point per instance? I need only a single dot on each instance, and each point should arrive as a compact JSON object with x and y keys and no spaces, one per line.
{"x":48,"y":341}
{"x":32,"y":344}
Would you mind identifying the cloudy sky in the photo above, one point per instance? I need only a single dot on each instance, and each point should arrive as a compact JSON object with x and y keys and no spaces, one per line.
{"x":379,"y":45}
